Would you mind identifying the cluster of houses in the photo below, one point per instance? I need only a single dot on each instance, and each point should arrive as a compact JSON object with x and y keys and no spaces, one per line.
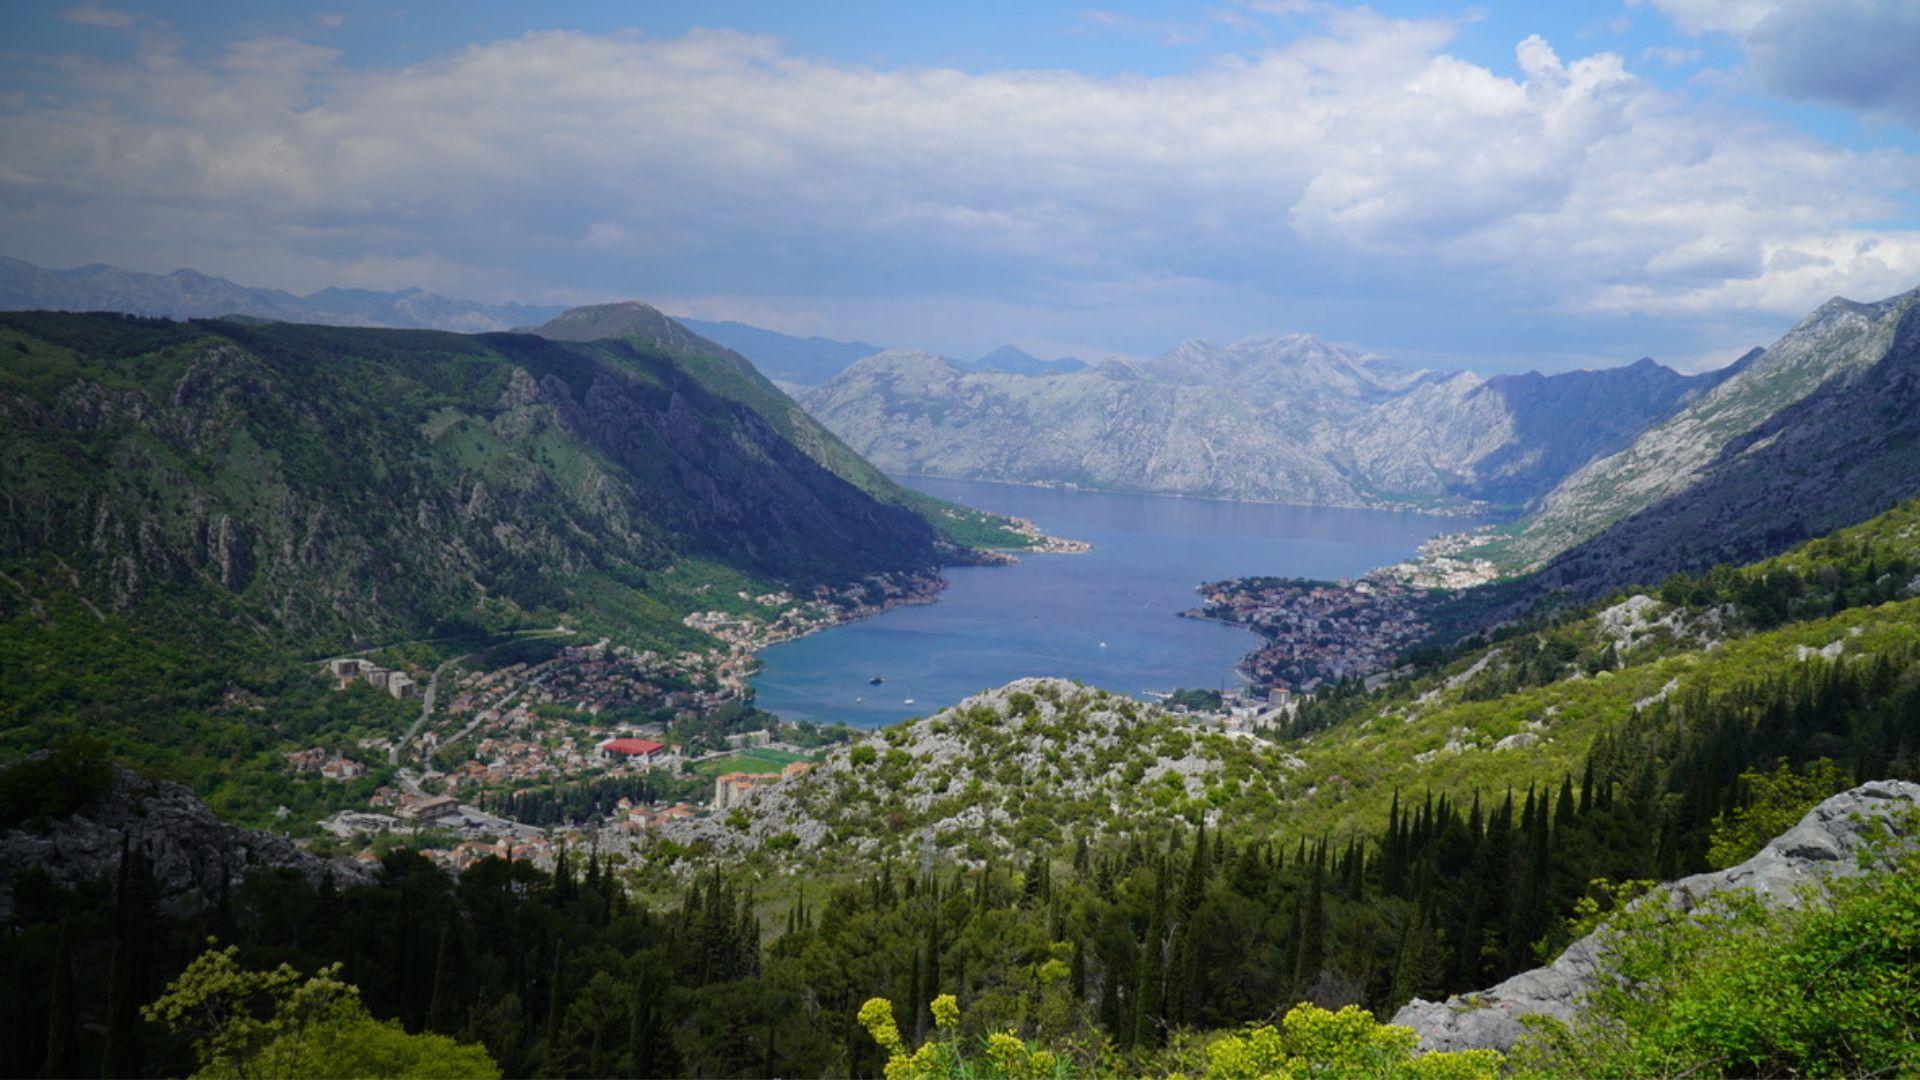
{"x":329,"y":766}
{"x":348,"y":670}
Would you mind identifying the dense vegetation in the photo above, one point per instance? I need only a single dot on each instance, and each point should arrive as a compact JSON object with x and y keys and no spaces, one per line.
{"x":1119,"y":957}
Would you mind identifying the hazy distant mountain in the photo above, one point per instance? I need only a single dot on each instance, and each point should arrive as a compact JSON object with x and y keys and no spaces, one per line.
{"x":1820,"y":431}
{"x":1287,"y":419}
{"x":801,"y":361}
{"x":810,"y":361}
{"x":189,"y":294}
{"x":1014,"y":360}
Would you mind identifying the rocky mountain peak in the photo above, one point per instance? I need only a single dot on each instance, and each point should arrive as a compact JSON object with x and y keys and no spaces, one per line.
{"x":912,"y":363}
{"x":1014,"y":360}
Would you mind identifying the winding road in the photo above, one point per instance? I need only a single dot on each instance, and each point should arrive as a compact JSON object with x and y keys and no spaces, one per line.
{"x":433,"y":682}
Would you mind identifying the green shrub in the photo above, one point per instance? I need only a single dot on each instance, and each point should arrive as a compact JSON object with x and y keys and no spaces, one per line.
{"x":1739,"y":988}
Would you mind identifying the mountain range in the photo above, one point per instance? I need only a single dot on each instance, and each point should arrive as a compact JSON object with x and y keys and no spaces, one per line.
{"x":1283,"y":419}
{"x":1818,"y":431}
{"x":803,"y":362}
{"x":189,"y":294}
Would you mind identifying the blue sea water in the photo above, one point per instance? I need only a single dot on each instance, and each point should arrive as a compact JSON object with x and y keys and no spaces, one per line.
{"x":1106,"y":617}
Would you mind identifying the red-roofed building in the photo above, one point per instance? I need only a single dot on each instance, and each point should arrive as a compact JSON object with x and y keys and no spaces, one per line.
{"x":641,"y":750}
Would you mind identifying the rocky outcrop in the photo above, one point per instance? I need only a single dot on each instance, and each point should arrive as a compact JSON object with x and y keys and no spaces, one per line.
{"x":188,"y":849}
{"x":1824,"y":845}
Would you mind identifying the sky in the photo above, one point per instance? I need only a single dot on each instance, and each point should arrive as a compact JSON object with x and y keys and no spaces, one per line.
{"x":1495,"y":186}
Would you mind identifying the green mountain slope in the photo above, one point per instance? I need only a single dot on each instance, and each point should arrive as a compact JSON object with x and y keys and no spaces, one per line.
{"x":347,"y":485}
{"x":1827,"y":351}
{"x":731,"y":375}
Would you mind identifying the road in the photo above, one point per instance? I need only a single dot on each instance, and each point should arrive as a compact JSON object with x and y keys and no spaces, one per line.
{"x":433,"y":688}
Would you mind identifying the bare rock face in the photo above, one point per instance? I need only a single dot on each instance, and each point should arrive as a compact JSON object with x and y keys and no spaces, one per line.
{"x":1824,"y":845}
{"x":188,"y":848}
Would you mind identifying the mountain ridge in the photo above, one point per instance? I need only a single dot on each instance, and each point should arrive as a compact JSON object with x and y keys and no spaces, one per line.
{"x":188,"y":294}
{"x":1286,"y":418}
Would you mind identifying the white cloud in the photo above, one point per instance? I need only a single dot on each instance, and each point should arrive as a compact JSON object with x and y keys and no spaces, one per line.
{"x":720,"y":163}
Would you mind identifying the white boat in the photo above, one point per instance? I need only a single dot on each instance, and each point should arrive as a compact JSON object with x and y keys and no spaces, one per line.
{"x":908,"y":701}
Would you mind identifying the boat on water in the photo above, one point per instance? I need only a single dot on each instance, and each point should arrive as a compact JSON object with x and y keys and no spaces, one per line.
{"x":876,"y":681}
{"x":907,"y":701}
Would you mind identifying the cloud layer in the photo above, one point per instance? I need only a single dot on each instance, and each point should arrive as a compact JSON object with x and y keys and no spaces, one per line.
{"x":1361,"y":158}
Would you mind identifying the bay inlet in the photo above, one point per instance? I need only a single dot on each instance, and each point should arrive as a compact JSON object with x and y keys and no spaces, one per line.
{"x":1107,"y":617}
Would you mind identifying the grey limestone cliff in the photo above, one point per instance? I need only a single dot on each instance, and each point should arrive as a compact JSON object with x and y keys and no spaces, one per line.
{"x":188,"y":850}
{"x":1825,"y":844}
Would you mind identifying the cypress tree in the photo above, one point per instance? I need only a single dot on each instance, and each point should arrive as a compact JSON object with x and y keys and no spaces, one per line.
{"x":556,"y":1006}
{"x":933,"y":961}
{"x":1312,"y":940}
{"x":1197,"y":869}
{"x":1110,"y":1002}
{"x":916,"y":1005}
{"x":126,"y":975}
{"x":747,"y":943}
{"x":1148,"y":979}
{"x":63,"y":1032}
{"x":443,"y":1009}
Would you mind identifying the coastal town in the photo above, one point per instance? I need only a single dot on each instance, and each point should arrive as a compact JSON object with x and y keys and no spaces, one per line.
{"x":550,"y":712}
{"x":1319,"y":632}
